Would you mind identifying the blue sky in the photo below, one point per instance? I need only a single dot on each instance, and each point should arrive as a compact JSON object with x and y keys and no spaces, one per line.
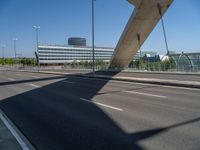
{"x":60,"y":19}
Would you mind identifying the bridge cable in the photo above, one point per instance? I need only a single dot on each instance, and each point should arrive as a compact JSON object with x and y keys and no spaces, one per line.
{"x":163,"y":27}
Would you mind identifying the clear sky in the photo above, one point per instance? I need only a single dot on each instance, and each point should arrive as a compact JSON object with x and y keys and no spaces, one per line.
{"x":60,"y":19}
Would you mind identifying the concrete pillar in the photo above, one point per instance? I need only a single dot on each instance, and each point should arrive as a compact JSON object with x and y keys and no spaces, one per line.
{"x":142,"y":21}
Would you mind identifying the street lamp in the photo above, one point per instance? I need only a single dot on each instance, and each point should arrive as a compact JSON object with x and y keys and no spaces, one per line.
{"x":3,"y":49}
{"x":37,"y":44}
{"x":93,"y":52}
{"x":15,"y":49}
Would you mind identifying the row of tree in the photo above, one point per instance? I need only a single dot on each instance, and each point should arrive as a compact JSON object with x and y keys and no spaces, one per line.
{"x":100,"y":64}
{"x":23,"y":61}
{"x":154,"y":66}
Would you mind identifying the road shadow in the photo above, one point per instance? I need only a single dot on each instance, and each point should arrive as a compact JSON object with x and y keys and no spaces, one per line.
{"x":30,"y":80}
{"x":53,"y":117}
{"x":129,"y":89}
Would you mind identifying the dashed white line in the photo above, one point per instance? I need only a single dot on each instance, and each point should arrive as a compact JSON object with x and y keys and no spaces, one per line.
{"x":101,"y":104}
{"x":11,"y":79}
{"x":33,"y":85}
{"x":35,"y":77}
{"x":68,"y":82}
{"x":145,"y":94}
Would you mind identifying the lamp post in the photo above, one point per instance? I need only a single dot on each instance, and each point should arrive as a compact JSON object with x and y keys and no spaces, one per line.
{"x":15,"y":49}
{"x":3,"y":49}
{"x":93,"y":51}
{"x":37,"y":44}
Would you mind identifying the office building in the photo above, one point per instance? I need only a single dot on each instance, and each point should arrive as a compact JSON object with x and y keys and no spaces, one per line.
{"x":54,"y":54}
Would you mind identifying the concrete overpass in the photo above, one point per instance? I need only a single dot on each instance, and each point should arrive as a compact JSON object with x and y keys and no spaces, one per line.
{"x":144,"y":18}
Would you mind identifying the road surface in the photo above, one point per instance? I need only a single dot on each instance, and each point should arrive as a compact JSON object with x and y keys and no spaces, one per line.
{"x":65,"y":112}
{"x":168,"y":76}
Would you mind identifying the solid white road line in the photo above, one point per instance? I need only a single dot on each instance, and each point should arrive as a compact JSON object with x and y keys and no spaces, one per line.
{"x":145,"y":94}
{"x":11,"y":79}
{"x":33,"y":85}
{"x":101,"y":104}
{"x":14,"y":133}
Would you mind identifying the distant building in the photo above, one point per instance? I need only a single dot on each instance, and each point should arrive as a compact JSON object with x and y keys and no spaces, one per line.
{"x":76,"y":50}
{"x":49,"y":54}
{"x":144,"y":54}
{"x":61,"y":54}
{"x":163,"y":57}
{"x":77,"y":41}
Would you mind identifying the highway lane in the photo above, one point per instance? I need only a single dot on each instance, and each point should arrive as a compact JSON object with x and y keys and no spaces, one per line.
{"x":54,"y":114}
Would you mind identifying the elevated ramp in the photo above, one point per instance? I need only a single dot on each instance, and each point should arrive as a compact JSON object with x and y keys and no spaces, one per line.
{"x":144,"y":18}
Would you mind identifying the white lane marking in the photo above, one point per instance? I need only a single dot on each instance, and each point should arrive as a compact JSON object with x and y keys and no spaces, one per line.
{"x":68,"y":82}
{"x":35,"y":77}
{"x":101,"y":104}
{"x":33,"y":85}
{"x":14,"y":133}
{"x":145,"y":94}
{"x":11,"y":79}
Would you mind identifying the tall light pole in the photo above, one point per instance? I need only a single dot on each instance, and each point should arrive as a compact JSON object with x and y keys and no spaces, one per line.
{"x":15,"y":49}
{"x":37,"y":44}
{"x":3,"y":49}
{"x":93,"y":52}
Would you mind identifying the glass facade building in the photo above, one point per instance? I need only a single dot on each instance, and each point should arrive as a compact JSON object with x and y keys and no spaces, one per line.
{"x":65,"y":54}
{"x":77,"y":41}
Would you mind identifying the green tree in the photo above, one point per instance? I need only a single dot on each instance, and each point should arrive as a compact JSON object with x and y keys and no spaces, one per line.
{"x":28,"y":61}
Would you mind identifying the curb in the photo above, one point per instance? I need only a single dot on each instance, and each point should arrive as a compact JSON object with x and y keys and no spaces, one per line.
{"x":154,"y":72}
{"x":17,"y":134}
{"x":149,"y":81}
{"x":175,"y":83}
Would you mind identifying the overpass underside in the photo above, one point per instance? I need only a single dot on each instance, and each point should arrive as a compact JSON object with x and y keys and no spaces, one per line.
{"x":144,"y":18}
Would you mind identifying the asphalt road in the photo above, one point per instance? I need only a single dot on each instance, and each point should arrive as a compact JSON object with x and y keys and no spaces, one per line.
{"x":66,"y":112}
{"x":154,"y":75}
{"x":169,"y":76}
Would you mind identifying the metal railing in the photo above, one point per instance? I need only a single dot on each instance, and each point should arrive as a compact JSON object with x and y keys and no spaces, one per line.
{"x":142,"y":68}
{"x":166,"y":68}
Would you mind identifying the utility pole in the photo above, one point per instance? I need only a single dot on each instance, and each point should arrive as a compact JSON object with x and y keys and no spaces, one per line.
{"x":3,"y":49}
{"x":93,"y":51}
{"x":15,"y":49}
